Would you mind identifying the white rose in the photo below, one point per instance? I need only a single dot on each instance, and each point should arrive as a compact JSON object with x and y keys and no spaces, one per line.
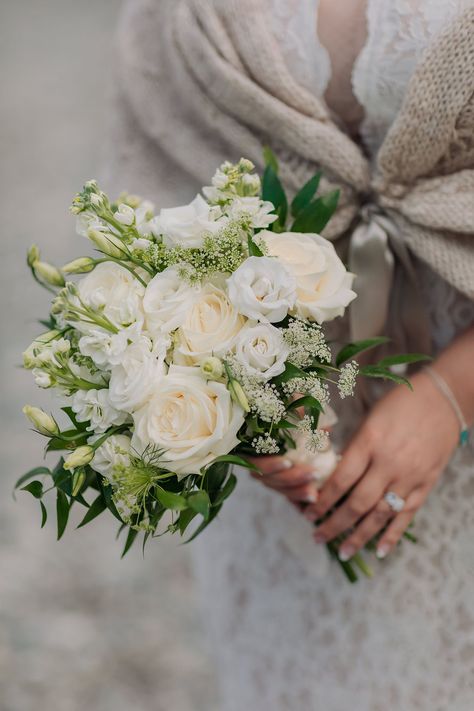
{"x":186,"y":225}
{"x":209,"y":328}
{"x":193,"y":421}
{"x":323,"y":283}
{"x":105,"y":348}
{"x":133,"y":380}
{"x":261,"y":348}
{"x":167,"y":300}
{"x":260,"y":211}
{"x":94,"y":406}
{"x":114,"y":291}
{"x":115,"y":451}
{"x":262,"y":289}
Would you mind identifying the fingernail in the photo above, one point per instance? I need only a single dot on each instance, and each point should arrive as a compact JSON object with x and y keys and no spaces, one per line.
{"x":346,"y":553}
{"x":319,"y":538}
{"x":309,"y":499}
{"x":286,"y":463}
{"x":382,"y":551}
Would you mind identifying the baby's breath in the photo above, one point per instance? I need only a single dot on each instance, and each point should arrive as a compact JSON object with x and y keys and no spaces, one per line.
{"x":263,"y":398}
{"x":316,"y":440}
{"x":347,"y":379}
{"x":265,"y":444}
{"x":306,"y":343}
{"x":310,"y":385}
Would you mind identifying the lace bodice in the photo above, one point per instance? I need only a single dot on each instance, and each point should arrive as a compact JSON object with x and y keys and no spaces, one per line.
{"x":398,"y":32}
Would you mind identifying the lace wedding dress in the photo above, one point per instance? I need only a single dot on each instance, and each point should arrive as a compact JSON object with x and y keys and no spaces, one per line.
{"x":291,"y":633}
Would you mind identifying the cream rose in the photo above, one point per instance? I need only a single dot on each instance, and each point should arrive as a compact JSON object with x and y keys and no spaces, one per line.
{"x":167,"y":300}
{"x":192,"y":420}
{"x":323,"y":283}
{"x":262,"y":350}
{"x":133,"y":380}
{"x":115,"y":292}
{"x":187,"y":225}
{"x":209,"y":328}
{"x":262,"y":289}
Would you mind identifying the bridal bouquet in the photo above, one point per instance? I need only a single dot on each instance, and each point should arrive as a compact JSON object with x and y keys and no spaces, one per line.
{"x":192,"y":339}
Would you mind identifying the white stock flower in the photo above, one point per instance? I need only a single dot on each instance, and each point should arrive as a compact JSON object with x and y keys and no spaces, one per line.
{"x":42,"y":378}
{"x":167,"y":300}
{"x":114,"y":291}
{"x":134,"y":379}
{"x":210,"y":327}
{"x":106,"y":349}
{"x":187,"y":225}
{"x":115,"y":451}
{"x":323,"y":283}
{"x":262,"y":289}
{"x":125,"y":215}
{"x":259,"y":211}
{"x":94,"y":406}
{"x":261,"y":348}
{"x":191,"y":419}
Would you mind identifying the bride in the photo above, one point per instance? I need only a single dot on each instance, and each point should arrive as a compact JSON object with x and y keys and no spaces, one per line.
{"x":378,"y":94}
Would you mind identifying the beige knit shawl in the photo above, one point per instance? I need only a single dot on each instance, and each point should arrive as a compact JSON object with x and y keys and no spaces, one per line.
{"x":206,"y":81}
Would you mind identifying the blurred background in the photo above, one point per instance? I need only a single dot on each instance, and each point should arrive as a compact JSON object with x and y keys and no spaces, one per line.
{"x":79,"y":628}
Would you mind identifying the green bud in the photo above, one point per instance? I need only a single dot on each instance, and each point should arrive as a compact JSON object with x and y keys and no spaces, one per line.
{"x":48,"y":273}
{"x":79,"y":458}
{"x":238,"y":395}
{"x":82,"y":265}
{"x":77,"y":481}
{"x":212,"y":368}
{"x":33,"y":255}
{"x":43,"y":422}
{"x":107,"y":243}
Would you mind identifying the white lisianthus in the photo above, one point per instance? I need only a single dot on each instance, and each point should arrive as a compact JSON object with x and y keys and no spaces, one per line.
{"x":191,"y":419}
{"x":94,"y":406}
{"x":262,"y":350}
{"x":187,"y":225}
{"x":323,"y":282}
{"x":133,"y":380}
{"x":115,"y":451}
{"x":261,"y":212}
{"x":106,"y":349}
{"x":167,"y":300}
{"x":262,"y":289}
{"x":125,"y":215}
{"x":210,"y":327}
{"x":42,"y":378}
{"x":113,"y":291}
{"x":89,"y":220}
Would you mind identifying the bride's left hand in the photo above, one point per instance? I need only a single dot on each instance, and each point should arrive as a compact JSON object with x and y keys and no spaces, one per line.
{"x":403,"y":446}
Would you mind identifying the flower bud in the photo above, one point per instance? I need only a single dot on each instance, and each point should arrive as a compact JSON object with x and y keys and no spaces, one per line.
{"x":77,"y":481}
{"x":48,"y":273}
{"x":125,"y":214}
{"x":246,"y":165}
{"x":238,"y":395}
{"x":42,"y":379}
{"x":107,"y":243}
{"x":212,"y":368}
{"x":43,"y":422}
{"x":33,"y":255}
{"x":79,"y":458}
{"x":82,"y":265}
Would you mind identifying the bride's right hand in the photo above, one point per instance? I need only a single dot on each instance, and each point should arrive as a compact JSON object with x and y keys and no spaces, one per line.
{"x":294,"y":481}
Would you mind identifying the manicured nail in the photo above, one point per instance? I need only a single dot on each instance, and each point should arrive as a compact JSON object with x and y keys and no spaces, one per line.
{"x":382,"y":551}
{"x":346,"y":553}
{"x":286,"y":463}
{"x":319,"y":538}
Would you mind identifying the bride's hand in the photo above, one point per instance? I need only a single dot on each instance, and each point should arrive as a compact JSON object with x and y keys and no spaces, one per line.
{"x":295,"y":481}
{"x":403,"y":446}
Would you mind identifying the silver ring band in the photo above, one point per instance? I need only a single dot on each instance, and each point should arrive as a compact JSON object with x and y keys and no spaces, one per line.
{"x":395,"y":501}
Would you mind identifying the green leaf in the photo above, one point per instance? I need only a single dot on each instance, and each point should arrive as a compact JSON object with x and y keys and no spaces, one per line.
{"x":44,"y":514}
{"x":272,"y":190}
{"x":285,"y":425}
{"x":72,"y":416}
{"x":270,"y":158}
{"x":353,"y":349}
{"x":107,"y":493}
{"x":200,"y":502}
{"x":403,"y":358}
{"x":291,"y":371}
{"x":132,"y":534}
{"x":254,"y":249}
{"x":185,"y":519}
{"x":375,"y":371}
{"x":214,"y":478}
{"x":35,"y":488}
{"x":169,"y":500}
{"x":214,"y":511}
{"x":95,"y":509}
{"x":315,"y":216}
{"x":226,"y":490}
{"x":235,"y":459}
{"x":37,"y":471}
{"x":305,"y":195}
{"x":306,"y":401}
{"x":62,"y":511}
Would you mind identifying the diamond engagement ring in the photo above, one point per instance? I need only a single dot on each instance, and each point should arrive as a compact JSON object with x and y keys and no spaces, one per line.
{"x":395,"y":501}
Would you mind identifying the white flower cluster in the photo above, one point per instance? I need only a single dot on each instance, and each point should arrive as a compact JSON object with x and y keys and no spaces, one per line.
{"x":316,"y":440}
{"x":306,"y":343}
{"x":309,"y":385}
{"x":347,"y":379}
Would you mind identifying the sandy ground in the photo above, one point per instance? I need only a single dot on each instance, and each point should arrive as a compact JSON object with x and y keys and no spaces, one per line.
{"x":79,"y":629}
